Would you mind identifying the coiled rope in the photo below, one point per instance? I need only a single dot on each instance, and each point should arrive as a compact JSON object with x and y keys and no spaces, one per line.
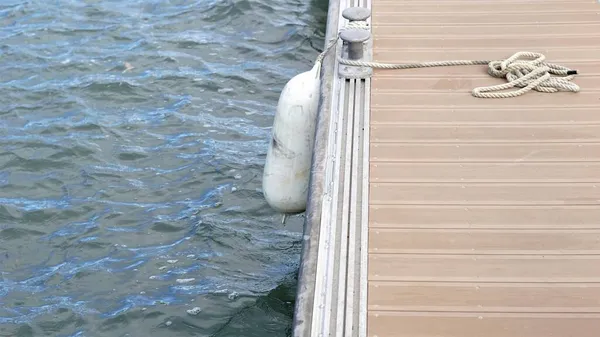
{"x":524,"y":70}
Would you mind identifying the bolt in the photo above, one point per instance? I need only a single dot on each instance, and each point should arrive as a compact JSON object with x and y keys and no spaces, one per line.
{"x":355,"y":39}
{"x":356,"y":13}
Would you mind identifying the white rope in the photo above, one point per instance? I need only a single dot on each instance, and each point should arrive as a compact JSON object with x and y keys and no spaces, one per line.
{"x":333,"y":42}
{"x":524,"y":70}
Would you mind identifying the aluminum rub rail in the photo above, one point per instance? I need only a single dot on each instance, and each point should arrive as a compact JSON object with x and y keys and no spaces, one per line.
{"x":332,"y":289}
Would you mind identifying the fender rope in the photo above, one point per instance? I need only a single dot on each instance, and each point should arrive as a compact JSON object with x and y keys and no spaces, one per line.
{"x":524,"y":70}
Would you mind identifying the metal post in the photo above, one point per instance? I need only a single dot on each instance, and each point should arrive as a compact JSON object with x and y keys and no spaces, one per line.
{"x":355,"y":39}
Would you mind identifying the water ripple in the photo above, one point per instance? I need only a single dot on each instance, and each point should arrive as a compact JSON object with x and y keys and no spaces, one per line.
{"x":132,"y":139}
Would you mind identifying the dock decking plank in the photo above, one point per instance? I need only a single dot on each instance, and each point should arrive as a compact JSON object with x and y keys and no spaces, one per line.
{"x":484,"y":215}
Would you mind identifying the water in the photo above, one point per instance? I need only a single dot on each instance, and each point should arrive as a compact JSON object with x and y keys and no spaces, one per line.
{"x":132,"y":139}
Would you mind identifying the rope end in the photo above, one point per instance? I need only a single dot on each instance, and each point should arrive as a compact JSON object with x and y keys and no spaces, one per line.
{"x":572,"y":72}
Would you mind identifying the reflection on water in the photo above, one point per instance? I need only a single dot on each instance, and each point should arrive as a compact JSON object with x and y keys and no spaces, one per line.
{"x":132,"y":139}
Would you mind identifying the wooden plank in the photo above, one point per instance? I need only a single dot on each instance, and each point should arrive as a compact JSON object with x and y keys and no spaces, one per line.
{"x":484,"y":214}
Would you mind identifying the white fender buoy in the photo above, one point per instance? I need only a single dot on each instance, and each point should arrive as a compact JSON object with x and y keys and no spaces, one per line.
{"x":289,"y":156}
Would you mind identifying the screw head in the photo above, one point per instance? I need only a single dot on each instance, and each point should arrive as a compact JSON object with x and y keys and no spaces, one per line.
{"x":356,"y":13}
{"x":355,"y":35}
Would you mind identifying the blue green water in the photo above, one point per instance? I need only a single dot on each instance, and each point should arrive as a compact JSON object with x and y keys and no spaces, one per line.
{"x":132,"y":139}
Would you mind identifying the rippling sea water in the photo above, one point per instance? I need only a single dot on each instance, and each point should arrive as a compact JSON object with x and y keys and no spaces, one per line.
{"x":132,"y":139}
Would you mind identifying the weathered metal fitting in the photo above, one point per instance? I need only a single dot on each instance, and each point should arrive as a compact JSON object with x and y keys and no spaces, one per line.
{"x":356,"y":13}
{"x":355,"y":39}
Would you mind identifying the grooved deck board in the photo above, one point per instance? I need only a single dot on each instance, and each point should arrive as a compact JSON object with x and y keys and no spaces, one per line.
{"x":484,"y":215}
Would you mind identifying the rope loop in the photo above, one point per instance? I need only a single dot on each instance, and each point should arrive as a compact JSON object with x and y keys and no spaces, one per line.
{"x":528,"y":71}
{"x":356,"y":25}
{"x":524,"y":70}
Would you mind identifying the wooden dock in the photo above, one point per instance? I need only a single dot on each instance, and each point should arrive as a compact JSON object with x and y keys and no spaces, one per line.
{"x":437,"y":214}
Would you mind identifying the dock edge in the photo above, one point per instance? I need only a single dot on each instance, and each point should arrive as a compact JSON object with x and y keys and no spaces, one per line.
{"x":305,"y":294}
{"x":332,"y":289}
